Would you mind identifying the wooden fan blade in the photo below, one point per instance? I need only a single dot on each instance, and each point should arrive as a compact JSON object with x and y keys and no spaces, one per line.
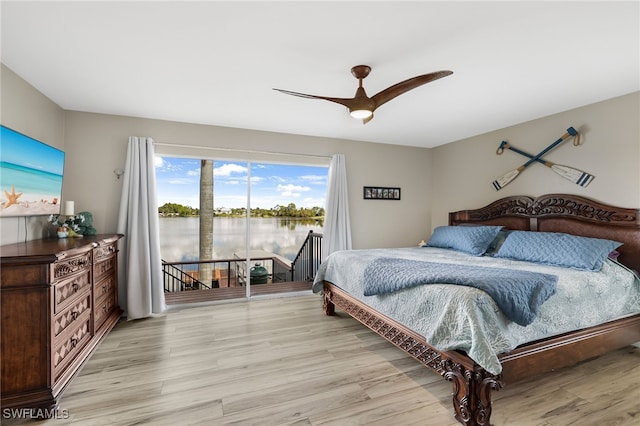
{"x":342,"y":101}
{"x":404,"y":86}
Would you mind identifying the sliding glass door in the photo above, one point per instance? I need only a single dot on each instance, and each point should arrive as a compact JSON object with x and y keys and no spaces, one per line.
{"x":287,"y":217}
{"x":234,"y":229}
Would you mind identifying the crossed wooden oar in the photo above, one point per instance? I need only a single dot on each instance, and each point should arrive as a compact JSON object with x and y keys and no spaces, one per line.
{"x":574,"y":175}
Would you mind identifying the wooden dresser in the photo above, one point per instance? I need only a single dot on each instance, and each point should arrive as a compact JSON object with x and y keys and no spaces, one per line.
{"x":58,"y":300}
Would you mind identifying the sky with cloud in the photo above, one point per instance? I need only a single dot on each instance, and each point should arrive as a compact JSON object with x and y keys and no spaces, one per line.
{"x":178,"y":181}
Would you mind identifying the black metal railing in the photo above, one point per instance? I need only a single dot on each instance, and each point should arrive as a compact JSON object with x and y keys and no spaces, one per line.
{"x":306,"y":263}
{"x":179,"y":279}
{"x":184,"y":276}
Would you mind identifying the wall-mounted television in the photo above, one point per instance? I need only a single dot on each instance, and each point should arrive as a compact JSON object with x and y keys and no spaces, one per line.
{"x":30,"y":175}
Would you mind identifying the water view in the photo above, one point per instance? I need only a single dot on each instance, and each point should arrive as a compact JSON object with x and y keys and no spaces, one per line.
{"x":179,"y":236}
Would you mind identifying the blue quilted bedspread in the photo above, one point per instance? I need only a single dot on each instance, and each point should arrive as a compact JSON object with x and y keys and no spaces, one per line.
{"x":519,"y":294}
{"x":458,"y":317}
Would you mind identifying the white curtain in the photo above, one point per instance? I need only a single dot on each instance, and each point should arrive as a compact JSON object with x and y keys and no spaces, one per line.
{"x":337,"y":228}
{"x":141,"y":291}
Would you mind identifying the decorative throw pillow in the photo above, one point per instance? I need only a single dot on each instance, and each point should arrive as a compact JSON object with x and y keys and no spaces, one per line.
{"x":469,"y":239}
{"x":558,"y":249}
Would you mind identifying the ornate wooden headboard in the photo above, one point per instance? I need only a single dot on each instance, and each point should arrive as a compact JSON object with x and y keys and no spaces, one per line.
{"x":567,"y":213}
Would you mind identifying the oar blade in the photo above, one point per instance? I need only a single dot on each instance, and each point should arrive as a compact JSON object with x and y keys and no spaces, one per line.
{"x":505,"y":179}
{"x":574,"y":175}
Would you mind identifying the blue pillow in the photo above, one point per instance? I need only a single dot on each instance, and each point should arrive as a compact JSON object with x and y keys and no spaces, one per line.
{"x":474,"y":240}
{"x":558,"y":249}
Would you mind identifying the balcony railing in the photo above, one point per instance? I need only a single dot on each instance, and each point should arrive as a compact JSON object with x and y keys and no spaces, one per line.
{"x":307,"y":261}
{"x":225,"y":273}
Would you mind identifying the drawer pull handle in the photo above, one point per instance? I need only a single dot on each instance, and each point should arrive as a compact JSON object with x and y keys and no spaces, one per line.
{"x":104,"y":308}
{"x":74,"y":342}
{"x":74,"y":315}
{"x":104,"y":288}
{"x":75,"y":287}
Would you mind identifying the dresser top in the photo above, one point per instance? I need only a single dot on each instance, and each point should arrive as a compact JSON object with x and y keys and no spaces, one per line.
{"x":54,"y":247}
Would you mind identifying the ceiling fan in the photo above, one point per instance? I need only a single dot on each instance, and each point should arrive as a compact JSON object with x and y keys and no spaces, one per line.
{"x":362,"y":106}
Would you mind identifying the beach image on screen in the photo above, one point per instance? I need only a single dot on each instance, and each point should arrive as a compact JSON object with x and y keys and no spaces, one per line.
{"x":30,"y":175}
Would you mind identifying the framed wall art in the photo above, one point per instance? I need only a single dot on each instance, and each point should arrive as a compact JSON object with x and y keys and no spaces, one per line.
{"x":380,"y":193}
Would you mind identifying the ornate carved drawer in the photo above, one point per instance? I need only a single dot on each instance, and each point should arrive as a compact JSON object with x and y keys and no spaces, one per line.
{"x":72,"y":278}
{"x":71,"y":316}
{"x":72,"y":339}
{"x":104,"y":258}
{"x":105,"y":299}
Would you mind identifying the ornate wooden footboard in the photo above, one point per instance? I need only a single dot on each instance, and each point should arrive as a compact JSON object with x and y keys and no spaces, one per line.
{"x":472,"y":385}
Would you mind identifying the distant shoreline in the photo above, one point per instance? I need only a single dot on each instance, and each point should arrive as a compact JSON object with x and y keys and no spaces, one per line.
{"x":170,"y":215}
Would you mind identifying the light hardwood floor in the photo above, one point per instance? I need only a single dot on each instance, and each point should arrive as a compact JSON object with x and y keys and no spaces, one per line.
{"x":280,"y":361}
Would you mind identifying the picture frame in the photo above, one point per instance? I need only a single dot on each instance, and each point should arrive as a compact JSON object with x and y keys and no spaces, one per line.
{"x":380,"y":193}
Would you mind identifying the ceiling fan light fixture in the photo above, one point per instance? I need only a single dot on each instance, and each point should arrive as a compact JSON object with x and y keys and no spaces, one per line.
{"x":360,"y":113}
{"x":361,"y":106}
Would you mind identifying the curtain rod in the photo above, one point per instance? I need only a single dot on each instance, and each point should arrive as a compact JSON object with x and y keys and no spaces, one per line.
{"x":247,"y":151}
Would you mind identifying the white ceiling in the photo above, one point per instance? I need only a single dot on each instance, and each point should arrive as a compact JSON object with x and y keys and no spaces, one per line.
{"x":217,"y":62}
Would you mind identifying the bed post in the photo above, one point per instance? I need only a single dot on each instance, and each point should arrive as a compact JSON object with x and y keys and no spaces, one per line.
{"x":327,"y":305}
{"x":471,"y":393}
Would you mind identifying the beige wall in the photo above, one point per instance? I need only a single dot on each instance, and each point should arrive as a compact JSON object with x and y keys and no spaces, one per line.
{"x":26,"y":110}
{"x":433,"y":181}
{"x":95,"y":145}
{"x":462,"y":171}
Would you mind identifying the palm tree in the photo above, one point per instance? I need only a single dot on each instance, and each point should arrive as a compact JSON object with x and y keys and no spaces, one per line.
{"x":206,"y":220}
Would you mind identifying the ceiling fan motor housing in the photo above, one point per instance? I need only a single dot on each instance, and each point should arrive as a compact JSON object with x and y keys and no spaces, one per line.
{"x":360,"y":71}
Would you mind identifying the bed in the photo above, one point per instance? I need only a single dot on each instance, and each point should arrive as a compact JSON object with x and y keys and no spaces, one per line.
{"x":529,"y":354}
